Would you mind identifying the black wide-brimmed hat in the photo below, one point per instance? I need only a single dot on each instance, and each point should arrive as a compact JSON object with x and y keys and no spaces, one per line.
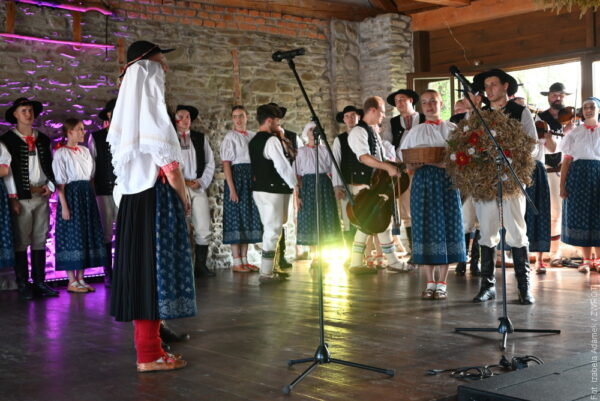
{"x":270,"y":110}
{"x":142,"y":49}
{"x":191,"y":109}
{"x":479,"y":81}
{"x":339,"y":117}
{"x":555,"y":87}
{"x":410,"y":93}
{"x":283,"y":109}
{"x":108,"y":108}
{"x":23,"y":101}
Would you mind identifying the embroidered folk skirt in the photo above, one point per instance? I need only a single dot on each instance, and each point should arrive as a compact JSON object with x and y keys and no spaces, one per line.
{"x":538,"y":226}
{"x":437,"y":222}
{"x":241,"y":221}
{"x":329,"y":220}
{"x":153,"y":277}
{"x":581,"y":208}
{"x":7,"y":253}
{"x":79,"y":240}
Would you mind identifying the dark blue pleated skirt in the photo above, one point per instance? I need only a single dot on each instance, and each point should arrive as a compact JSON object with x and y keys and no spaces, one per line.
{"x":241,"y":221}
{"x":79,"y":240}
{"x":329,"y":220}
{"x":7,"y":253}
{"x":153,"y":277}
{"x":437,"y":222}
{"x":538,"y":226}
{"x":581,"y":208}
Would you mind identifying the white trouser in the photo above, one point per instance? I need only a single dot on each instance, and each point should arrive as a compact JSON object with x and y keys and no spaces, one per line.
{"x":200,"y":215}
{"x":555,"y":203}
{"x":108,"y":215}
{"x":404,"y":205}
{"x":469,"y":215}
{"x":355,"y":189}
{"x":514,"y":222}
{"x":32,"y":224}
{"x":272,"y":209}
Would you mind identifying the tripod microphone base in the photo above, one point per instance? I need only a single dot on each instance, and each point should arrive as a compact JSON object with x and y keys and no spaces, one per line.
{"x":322,"y":355}
{"x":505,"y":328}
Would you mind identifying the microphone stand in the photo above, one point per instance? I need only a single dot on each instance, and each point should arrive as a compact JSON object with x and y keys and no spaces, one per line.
{"x":506,"y":326}
{"x":322,"y":354}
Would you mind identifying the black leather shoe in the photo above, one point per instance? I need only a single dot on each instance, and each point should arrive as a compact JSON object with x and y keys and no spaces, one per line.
{"x":522,"y":273}
{"x":284,"y":264}
{"x":167,"y":335}
{"x":25,"y":291}
{"x":485,"y":294}
{"x":200,"y":268}
{"x":525,"y":297}
{"x":461,"y":268}
{"x":43,"y":290}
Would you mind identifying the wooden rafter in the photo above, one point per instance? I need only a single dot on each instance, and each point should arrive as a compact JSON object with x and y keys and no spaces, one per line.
{"x":478,"y":11}
{"x":447,"y":3}
{"x":385,"y":5}
{"x":305,"y":8}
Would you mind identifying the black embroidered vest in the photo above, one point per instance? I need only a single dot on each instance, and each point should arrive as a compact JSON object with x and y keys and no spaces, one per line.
{"x":104,"y":177}
{"x":353,"y":171}
{"x":20,"y":160}
{"x":398,"y":129}
{"x":198,"y":141}
{"x":265,"y":177}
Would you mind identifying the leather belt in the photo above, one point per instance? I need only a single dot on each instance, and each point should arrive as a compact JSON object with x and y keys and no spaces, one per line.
{"x":36,"y":190}
{"x":553,"y":169}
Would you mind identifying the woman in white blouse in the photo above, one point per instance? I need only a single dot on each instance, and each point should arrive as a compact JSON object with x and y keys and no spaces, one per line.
{"x":580,"y":187}
{"x":79,"y":235}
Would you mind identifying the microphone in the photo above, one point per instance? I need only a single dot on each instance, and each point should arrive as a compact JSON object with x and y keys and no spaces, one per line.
{"x":461,"y":78}
{"x":287,"y":55}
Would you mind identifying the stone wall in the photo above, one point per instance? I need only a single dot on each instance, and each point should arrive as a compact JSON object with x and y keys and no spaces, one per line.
{"x":77,"y":82}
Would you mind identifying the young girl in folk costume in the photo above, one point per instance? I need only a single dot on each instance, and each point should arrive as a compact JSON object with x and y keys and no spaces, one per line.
{"x":7,"y":190}
{"x":79,"y":236}
{"x":580,"y":187}
{"x":241,"y":221}
{"x":329,"y":222}
{"x":437,"y":222}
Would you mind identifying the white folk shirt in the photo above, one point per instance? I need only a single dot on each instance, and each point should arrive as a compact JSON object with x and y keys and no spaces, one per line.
{"x":274,"y":151}
{"x":71,"y":165}
{"x":36,"y":174}
{"x":305,"y":161}
{"x":358,"y":140}
{"x":582,"y":143}
{"x":189,"y":161}
{"x":427,"y":135}
{"x":5,"y":160}
{"x":235,"y":148}
{"x":387,"y":133}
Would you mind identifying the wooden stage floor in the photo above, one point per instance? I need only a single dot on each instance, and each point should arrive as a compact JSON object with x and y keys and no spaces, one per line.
{"x":68,"y":348}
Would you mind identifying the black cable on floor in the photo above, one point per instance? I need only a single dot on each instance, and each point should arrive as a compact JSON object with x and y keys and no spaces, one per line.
{"x":485,"y":371}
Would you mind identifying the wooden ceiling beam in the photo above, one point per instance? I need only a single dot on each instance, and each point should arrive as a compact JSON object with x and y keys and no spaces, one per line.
{"x":385,"y":5}
{"x":303,"y":8}
{"x":478,"y":11}
{"x":447,"y":3}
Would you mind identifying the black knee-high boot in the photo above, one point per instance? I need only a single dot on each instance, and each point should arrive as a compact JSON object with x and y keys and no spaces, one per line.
{"x":487,"y":291}
{"x":522,"y":270}
{"x":461,"y":267}
{"x":38,"y":274}
{"x":22,"y":276}
{"x":283,"y":263}
{"x":474,"y":264}
{"x":108,"y":270}
{"x":410,"y":244}
{"x":200,"y":267}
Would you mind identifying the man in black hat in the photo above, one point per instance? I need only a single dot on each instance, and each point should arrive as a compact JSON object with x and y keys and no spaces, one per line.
{"x":32,"y":169}
{"x":104,"y":183}
{"x":404,"y":100}
{"x":273,"y":181}
{"x":291,"y":142}
{"x":499,"y":86}
{"x":354,"y":173}
{"x":198,"y":171}
{"x":552,"y":159}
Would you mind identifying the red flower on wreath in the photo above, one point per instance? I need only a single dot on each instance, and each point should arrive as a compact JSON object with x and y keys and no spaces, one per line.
{"x":462,"y":159}
{"x":474,"y":138}
{"x":507,"y":153}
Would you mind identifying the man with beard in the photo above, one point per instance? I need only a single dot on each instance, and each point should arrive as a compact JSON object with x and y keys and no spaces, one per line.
{"x":273,"y":180}
{"x":556,"y":94}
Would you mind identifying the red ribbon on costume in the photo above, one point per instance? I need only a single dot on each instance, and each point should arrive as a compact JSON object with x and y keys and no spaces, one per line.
{"x":245,"y":133}
{"x":30,"y":143}
{"x":591,"y":127}
{"x":438,"y":122}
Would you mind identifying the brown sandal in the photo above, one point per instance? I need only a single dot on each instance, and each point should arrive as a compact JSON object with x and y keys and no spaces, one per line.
{"x":240,"y":269}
